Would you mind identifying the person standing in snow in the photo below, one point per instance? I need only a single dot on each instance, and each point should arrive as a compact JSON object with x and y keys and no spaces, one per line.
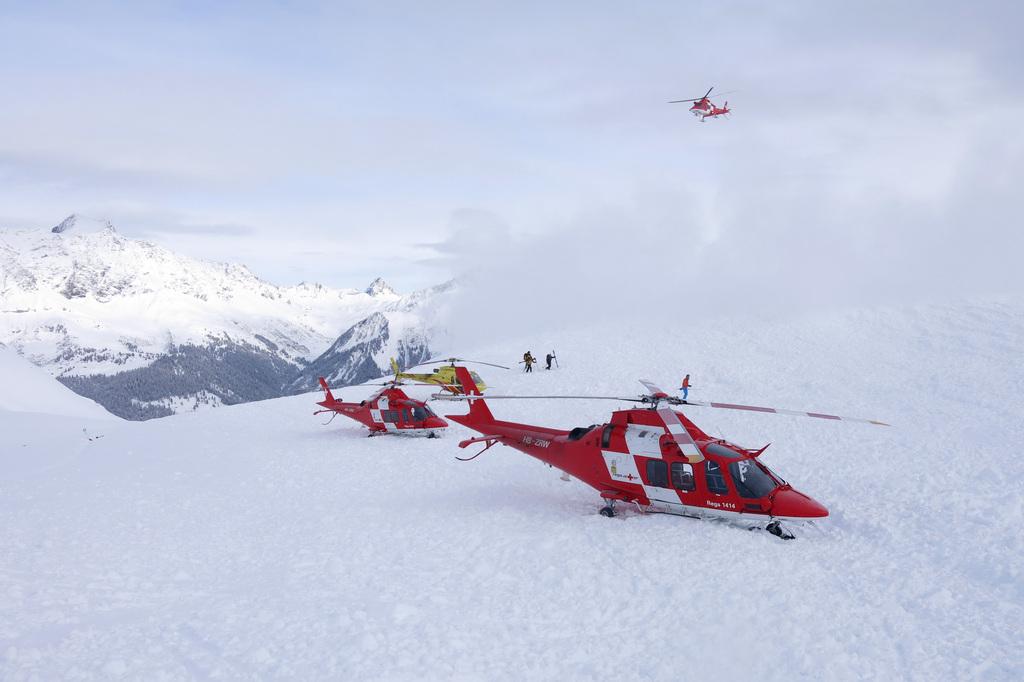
{"x":685,"y":388}
{"x":528,"y":360}
{"x":549,"y":357}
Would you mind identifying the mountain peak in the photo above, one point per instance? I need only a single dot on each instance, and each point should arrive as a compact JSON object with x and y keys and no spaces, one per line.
{"x":81,"y":223}
{"x":379,"y":287}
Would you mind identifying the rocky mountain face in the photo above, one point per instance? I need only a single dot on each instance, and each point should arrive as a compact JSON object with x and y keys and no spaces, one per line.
{"x":358,"y":354}
{"x":147,"y":332}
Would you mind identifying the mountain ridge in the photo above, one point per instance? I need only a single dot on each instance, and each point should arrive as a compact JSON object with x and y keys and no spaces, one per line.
{"x":84,"y":302}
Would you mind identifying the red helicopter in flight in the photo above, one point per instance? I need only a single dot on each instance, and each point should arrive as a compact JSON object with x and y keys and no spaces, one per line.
{"x":657,"y":459}
{"x":703,"y":107}
{"x":389,"y":410}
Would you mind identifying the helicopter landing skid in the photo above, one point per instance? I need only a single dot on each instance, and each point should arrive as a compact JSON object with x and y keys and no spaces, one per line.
{"x":779,"y":531}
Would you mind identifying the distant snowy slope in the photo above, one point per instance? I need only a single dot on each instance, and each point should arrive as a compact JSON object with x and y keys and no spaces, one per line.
{"x":255,"y":542}
{"x":27,"y":388}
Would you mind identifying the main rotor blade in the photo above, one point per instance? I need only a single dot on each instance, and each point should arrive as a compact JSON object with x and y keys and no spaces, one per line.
{"x":680,"y":435}
{"x":442,"y":360}
{"x":462,"y":396}
{"x":658,"y":395}
{"x":775,"y":410}
{"x":411,"y":382}
{"x":481,"y":362}
{"x":698,"y":99}
{"x":655,"y":391}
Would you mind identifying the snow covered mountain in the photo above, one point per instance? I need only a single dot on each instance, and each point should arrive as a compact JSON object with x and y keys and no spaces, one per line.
{"x":360,"y":352}
{"x":147,"y":332}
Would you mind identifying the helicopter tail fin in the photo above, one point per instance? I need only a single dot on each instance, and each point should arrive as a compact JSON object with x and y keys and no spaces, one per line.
{"x":478,"y":410}
{"x":328,"y":396}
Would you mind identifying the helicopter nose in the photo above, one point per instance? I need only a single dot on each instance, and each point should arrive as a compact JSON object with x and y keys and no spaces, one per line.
{"x":794,"y":503}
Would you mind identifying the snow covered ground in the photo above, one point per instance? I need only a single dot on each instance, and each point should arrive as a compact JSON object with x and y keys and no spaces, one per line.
{"x":251,"y":542}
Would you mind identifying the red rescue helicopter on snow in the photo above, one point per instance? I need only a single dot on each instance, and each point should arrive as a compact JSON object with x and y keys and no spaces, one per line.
{"x":389,"y":410}
{"x":656,"y":458}
{"x":704,"y":108}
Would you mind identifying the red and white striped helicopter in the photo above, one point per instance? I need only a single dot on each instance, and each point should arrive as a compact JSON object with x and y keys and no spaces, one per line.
{"x":704,"y":108}
{"x":389,"y":410}
{"x":656,"y":458}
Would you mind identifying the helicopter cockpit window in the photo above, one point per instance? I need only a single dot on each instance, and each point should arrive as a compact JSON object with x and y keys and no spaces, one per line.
{"x":750,"y":480}
{"x":657,"y":473}
{"x":682,"y":476}
{"x":722,"y":451}
{"x":715,"y":478}
{"x":421,"y":413}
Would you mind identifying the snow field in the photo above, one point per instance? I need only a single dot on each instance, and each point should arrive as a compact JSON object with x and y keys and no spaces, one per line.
{"x":251,"y":542}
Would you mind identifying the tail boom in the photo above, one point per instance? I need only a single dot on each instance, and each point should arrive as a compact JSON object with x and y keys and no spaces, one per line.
{"x":328,"y":396}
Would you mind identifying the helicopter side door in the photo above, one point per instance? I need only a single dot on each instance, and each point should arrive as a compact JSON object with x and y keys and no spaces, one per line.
{"x":676,"y":476}
{"x":670,"y":485}
{"x":720,"y":496}
{"x":384,"y":414}
{"x":405,"y":419}
{"x":644,"y":444}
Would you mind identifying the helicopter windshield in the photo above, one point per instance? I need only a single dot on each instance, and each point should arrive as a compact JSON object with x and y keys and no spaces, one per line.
{"x":421,"y":413}
{"x":750,"y":479}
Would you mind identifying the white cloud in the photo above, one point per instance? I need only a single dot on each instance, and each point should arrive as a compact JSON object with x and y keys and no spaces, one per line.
{"x":866,"y":131}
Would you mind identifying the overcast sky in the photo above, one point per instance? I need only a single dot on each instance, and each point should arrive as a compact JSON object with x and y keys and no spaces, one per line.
{"x":874,"y":147}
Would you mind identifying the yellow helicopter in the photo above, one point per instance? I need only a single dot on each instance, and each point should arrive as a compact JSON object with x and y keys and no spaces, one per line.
{"x":442,"y":376}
